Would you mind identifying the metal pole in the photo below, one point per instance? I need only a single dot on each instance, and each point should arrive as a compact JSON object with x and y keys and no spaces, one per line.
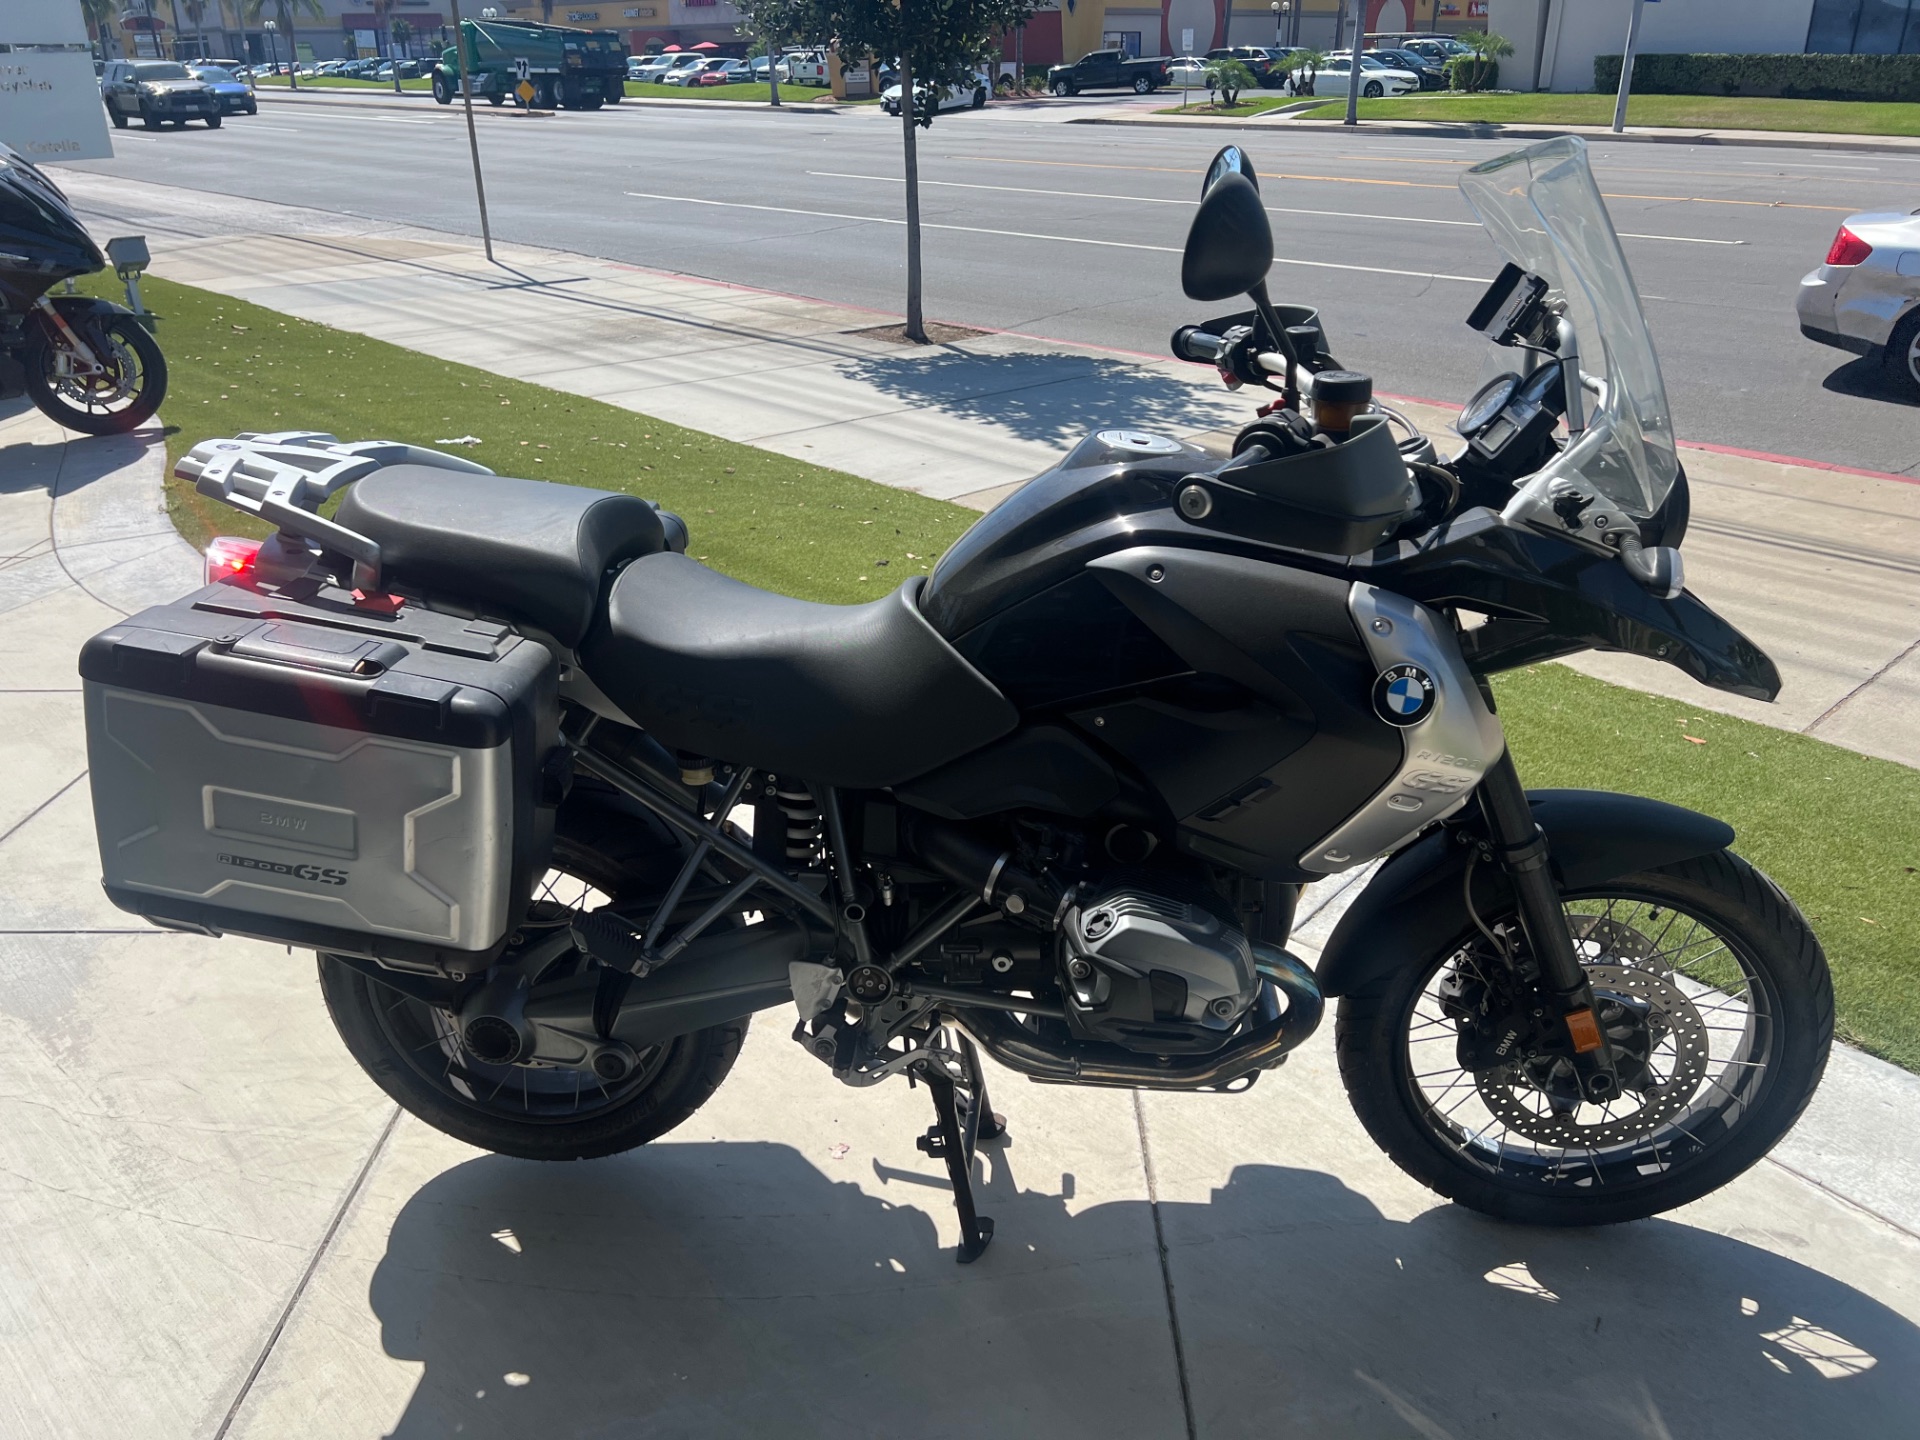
{"x":473,"y":139}
{"x":1353,"y":67}
{"x":1626,"y":69}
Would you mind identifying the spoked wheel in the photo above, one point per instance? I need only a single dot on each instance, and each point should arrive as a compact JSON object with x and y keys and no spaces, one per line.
{"x":1714,"y":995}
{"x":454,"y":1078}
{"x":123,"y":395}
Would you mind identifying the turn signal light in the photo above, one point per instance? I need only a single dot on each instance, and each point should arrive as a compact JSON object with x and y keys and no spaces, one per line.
{"x":231,"y":558}
{"x":1848,"y":249}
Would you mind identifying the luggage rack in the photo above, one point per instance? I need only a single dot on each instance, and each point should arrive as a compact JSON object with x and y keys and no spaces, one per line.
{"x":285,"y":476}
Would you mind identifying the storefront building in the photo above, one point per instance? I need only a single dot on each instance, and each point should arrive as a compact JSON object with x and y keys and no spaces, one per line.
{"x":1555,"y":41}
{"x":1068,"y":29}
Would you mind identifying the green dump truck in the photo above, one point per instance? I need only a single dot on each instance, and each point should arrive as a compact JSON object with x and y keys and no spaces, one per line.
{"x":574,"y":69}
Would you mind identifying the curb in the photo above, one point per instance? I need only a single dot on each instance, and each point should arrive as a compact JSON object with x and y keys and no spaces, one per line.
{"x":389,"y":101}
{"x":1784,"y":140}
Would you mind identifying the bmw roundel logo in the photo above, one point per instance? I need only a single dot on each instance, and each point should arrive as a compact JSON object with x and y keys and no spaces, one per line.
{"x":1404,"y":695}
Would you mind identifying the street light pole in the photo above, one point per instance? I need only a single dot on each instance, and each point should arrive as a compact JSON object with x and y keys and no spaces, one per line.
{"x":1353,"y":67}
{"x":273,"y":47}
{"x":1626,"y":69}
{"x":473,"y":139}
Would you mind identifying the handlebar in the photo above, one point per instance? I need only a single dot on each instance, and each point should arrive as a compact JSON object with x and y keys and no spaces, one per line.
{"x":1190,"y":342}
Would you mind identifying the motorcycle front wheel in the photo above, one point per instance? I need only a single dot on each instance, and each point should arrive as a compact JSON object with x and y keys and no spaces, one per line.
{"x":1717,"y":1000}
{"x":122,"y":397}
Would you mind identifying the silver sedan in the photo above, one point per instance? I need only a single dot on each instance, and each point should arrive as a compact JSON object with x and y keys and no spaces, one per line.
{"x":1866,"y":298}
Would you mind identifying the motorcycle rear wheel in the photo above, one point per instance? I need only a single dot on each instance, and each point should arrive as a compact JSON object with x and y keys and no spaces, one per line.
{"x":416,"y":1052}
{"x":122,"y":399}
{"x":1737,"y":1009}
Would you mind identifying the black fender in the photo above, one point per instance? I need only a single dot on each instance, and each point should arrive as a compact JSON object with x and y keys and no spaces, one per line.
{"x":87,"y":314}
{"x":1417,"y":901}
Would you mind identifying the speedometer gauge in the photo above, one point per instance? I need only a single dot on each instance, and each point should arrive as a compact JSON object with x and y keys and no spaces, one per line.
{"x":1487,"y":402}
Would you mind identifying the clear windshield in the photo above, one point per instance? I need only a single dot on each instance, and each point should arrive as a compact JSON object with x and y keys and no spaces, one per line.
{"x":1545,"y":213}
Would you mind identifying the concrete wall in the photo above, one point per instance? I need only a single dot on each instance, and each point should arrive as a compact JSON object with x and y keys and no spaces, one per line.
{"x":1554,"y":41}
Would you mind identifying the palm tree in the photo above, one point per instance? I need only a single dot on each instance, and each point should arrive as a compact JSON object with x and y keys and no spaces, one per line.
{"x":197,"y":13}
{"x":1308,"y":61}
{"x":1226,"y":79}
{"x":1487,"y":49}
{"x":401,"y":32}
{"x":99,"y":16}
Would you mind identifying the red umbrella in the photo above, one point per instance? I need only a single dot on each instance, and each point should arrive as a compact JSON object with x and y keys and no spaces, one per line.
{"x":706,"y":45}
{"x":669,"y":49}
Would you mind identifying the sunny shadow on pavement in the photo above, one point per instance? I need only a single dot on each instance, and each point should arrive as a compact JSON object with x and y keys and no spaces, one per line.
{"x":733,"y":1289}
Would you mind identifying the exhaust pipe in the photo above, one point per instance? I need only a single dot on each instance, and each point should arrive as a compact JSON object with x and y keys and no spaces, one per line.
{"x":1273,"y":1035}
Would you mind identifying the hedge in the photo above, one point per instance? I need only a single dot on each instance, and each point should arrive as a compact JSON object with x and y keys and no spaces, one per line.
{"x":1467,"y":72}
{"x":1798,"y":77}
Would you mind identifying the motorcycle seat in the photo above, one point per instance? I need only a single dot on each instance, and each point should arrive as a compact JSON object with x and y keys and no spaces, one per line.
{"x":851,"y":695}
{"x":533,"y":551}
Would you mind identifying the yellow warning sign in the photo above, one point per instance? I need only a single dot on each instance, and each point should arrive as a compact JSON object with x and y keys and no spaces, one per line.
{"x":525,"y":91}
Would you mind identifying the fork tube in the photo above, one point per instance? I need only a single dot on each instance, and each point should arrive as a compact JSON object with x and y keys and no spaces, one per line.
{"x":1521,"y":850}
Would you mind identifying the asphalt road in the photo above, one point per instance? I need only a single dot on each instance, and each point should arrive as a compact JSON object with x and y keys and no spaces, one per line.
{"x":1074,"y":231}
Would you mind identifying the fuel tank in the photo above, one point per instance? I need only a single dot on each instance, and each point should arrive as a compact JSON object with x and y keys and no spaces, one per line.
{"x":41,"y":240}
{"x":1228,"y":674}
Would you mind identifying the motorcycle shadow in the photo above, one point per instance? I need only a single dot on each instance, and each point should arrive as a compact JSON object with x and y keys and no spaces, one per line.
{"x":734,"y":1289}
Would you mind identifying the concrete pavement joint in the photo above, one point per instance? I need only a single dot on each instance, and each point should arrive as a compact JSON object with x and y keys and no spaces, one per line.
{"x":26,"y":819}
{"x":1166,"y":1268}
{"x":306,"y":1275}
{"x":1848,"y":1201}
{"x":1878,"y":675}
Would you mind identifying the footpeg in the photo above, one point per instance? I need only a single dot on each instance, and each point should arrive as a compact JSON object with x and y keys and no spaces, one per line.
{"x":612,"y":941}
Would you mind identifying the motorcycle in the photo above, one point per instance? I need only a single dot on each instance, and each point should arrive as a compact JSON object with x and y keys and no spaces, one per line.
{"x":89,"y":364}
{"x":560,"y":808}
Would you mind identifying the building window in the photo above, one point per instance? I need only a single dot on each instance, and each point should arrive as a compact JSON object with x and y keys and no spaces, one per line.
{"x":1127,"y":40}
{"x":1864,"y":27}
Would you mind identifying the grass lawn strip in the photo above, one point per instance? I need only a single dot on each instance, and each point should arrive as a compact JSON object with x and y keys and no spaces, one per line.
{"x":1705,"y":112}
{"x":343,"y":82}
{"x":1833,"y":827}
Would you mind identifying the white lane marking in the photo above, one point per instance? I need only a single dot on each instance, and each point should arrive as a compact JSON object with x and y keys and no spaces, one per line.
{"x":1805,"y":165}
{"x":1271,"y":209}
{"x":1057,"y":239}
{"x":253,"y":124}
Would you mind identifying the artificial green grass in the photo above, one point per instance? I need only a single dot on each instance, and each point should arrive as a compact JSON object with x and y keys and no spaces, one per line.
{"x":1715,"y":112}
{"x":1834,"y":828}
{"x":779,"y":523}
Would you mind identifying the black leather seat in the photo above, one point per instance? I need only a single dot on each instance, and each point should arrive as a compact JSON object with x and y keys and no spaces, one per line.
{"x":852,"y":695}
{"x":532,"y":550}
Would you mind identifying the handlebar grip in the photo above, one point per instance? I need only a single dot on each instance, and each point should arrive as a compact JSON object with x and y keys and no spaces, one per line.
{"x":1192,"y":343}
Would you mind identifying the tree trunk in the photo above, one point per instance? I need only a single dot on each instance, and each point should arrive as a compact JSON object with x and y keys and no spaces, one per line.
{"x":916,"y":326}
{"x":773,"y":78}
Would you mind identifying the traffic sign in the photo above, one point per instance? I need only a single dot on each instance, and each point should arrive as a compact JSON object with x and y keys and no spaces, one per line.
{"x":525,"y":91}
{"x":522,"y":67}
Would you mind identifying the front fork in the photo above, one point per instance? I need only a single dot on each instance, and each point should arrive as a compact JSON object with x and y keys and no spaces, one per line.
{"x":1520,"y":848}
{"x":82,"y":360}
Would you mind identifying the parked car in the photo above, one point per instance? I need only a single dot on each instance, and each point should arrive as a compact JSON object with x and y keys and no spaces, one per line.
{"x":678,"y":65}
{"x":724,"y":72}
{"x":783,"y":70}
{"x":1377,"y":78}
{"x":1109,"y":70}
{"x":689,"y":75}
{"x":807,"y":67}
{"x":1260,"y":63}
{"x":647,"y":69}
{"x":1187,"y":72}
{"x":1438,"y":49}
{"x":236,"y":97}
{"x":1866,"y":297}
{"x":966,"y":90}
{"x":1432,"y":74}
{"x":157,"y":92}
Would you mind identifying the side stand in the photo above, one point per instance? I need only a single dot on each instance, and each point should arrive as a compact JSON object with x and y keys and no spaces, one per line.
{"x":952,"y":1138}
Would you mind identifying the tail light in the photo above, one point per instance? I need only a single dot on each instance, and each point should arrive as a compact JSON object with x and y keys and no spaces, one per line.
{"x":1848,"y":249}
{"x":231,"y":558}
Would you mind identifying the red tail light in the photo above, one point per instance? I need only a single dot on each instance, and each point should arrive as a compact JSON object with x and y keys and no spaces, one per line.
{"x":231,"y":558}
{"x":1848,"y":249}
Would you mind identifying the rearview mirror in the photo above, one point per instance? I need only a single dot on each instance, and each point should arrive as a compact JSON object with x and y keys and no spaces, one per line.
{"x":1231,"y":160}
{"x":1230,"y":245}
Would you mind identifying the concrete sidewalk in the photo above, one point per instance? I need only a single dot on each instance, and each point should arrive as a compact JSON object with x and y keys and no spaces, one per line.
{"x":219,"y":1229}
{"x":1817,"y":565}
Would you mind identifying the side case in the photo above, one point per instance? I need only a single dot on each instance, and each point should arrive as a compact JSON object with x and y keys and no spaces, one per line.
{"x":296,"y":768}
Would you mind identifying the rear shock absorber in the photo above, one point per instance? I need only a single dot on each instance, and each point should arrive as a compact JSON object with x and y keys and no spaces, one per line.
{"x":803,"y":824}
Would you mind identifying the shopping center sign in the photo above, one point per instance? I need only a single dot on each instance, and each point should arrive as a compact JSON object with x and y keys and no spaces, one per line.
{"x":49,"y":97}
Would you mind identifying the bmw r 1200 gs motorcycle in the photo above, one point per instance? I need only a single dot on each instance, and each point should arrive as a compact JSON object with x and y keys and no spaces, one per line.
{"x":560,"y":808}
{"x":87,"y":363}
